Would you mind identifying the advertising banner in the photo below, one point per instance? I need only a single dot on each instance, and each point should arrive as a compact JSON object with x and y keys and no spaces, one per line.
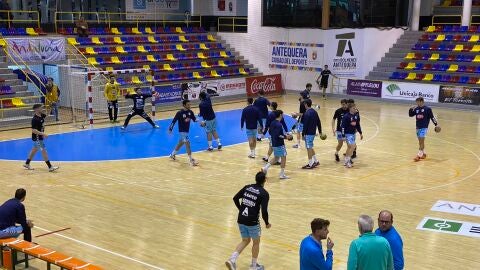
{"x":364,"y":88}
{"x":344,"y":53}
{"x":37,"y":49}
{"x":168,"y":93}
{"x":296,"y":56}
{"x":410,"y":91}
{"x":215,"y":88}
{"x":460,"y":95}
{"x":270,"y":84}
{"x":147,"y":9}
{"x":225,"y":8}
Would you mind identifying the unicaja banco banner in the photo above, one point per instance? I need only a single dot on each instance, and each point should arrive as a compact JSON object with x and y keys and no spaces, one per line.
{"x":410,"y":91}
{"x":37,"y":49}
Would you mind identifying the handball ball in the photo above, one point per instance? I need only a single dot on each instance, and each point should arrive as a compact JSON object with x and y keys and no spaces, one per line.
{"x":203,"y":124}
{"x":323,"y":136}
{"x":438,"y":129}
{"x":290,"y":137}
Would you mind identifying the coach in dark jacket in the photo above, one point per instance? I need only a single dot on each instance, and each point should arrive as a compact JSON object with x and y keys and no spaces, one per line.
{"x":12,"y":212}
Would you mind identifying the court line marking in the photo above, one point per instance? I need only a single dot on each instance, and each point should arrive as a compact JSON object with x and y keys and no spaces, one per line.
{"x":102,"y":249}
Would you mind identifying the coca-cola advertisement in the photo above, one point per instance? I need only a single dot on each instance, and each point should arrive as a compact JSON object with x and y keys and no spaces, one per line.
{"x":270,"y":84}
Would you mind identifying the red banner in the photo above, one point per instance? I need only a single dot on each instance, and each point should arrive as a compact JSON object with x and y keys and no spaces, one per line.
{"x":270,"y":84}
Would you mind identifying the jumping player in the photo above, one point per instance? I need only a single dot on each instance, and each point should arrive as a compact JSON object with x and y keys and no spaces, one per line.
{"x":208,"y":115}
{"x":38,"y":136}
{"x":304,"y":95}
{"x":139,"y":107}
{"x":183,"y":116}
{"x":277,"y":138}
{"x":337,"y":131}
{"x":253,"y":198}
{"x":311,"y":121}
{"x":322,"y":80}
{"x":251,"y":118}
{"x":112,"y":92}
{"x":271,"y":117}
{"x":262,"y":104}
{"x":350,"y":126}
{"x":423,"y":114}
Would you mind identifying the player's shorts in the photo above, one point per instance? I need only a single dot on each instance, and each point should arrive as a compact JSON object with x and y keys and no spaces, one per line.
{"x":184,"y":137}
{"x":39,"y":145}
{"x":279,"y":151}
{"x":324,"y":84}
{"x":300,"y":127}
{"x":422,"y":132}
{"x":264,"y":122}
{"x":211,"y":125}
{"x":251,"y":133}
{"x":350,"y":138}
{"x":253,"y":232}
{"x":339,"y":136}
{"x":309,"y":141}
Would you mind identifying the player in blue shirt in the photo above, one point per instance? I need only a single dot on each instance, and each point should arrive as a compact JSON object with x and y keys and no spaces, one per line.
{"x":350,"y":126}
{"x":209,"y":120}
{"x":304,"y":95}
{"x":311,"y":252}
{"x":388,"y":231}
{"x":271,"y":117}
{"x":423,"y":115}
{"x":262,"y":104}
{"x":337,"y":129}
{"x":277,"y":139}
{"x":251,"y":119}
{"x":183,"y":117}
{"x":311,"y":121}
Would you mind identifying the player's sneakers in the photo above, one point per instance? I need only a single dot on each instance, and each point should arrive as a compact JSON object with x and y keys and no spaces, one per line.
{"x":283,"y":177}
{"x":156,"y":126}
{"x":193,"y":162}
{"x":172,"y":157}
{"x":210,"y":149}
{"x":219,"y":147}
{"x":337,"y":158}
{"x":296,"y":146}
{"x":231,"y":265}
{"x":28,"y":167}
{"x":315,"y":164}
{"x":416,"y":158}
{"x":123,"y":127}
{"x":307,"y":167}
{"x":257,"y":267}
{"x":265,"y":159}
{"x":424,"y":156}
{"x":251,"y":156}
{"x":259,"y":139}
{"x":53,"y":168}
{"x":349,"y":165}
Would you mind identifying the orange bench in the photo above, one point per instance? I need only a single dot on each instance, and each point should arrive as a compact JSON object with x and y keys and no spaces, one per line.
{"x":50,"y":256}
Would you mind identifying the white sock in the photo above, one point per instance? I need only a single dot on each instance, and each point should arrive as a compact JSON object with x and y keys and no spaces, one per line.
{"x":252,"y":152}
{"x":282,"y":171}
{"x":314,"y":158}
{"x":267,"y":166}
{"x":218,"y":141}
{"x":310,"y":162}
{"x":190,"y":157}
{"x":254,"y":261}
{"x":234,"y":256}
{"x":174,"y":152}
{"x":420,"y":153}
{"x":209,"y":143}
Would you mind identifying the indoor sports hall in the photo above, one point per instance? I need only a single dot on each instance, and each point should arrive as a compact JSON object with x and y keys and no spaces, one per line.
{"x":355,"y":124}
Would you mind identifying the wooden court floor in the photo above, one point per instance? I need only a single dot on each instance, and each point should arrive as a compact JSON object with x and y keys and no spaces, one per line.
{"x":159,"y":214}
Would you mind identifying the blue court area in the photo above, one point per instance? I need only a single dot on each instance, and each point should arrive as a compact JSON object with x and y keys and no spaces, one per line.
{"x":137,"y":141}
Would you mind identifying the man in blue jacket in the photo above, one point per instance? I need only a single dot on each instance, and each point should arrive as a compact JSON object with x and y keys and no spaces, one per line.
{"x":12,"y":212}
{"x":209,"y":120}
{"x":311,"y":253}
{"x":386,"y":229}
{"x":251,"y":118}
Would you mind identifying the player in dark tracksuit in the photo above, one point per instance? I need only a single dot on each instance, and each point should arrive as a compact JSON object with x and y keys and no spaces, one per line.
{"x":350,"y":126}
{"x":304,"y":95}
{"x":262,"y":104}
{"x":271,"y":117}
{"x":139,"y":107}
{"x":311,"y":122}
{"x":337,"y":118}
{"x":277,"y":140}
{"x":322,"y":80}
{"x":210,"y":120}
{"x":423,"y":115}
{"x":183,"y":117}
{"x":251,"y":119}
{"x":249,"y":201}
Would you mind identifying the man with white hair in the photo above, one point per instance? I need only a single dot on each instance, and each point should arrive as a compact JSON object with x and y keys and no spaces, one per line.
{"x":369,"y":251}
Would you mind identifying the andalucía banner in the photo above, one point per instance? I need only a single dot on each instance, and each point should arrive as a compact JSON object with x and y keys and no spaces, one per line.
{"x":37,"y":49}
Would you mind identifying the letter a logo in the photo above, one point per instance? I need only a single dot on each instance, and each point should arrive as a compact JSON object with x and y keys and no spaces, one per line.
{"x":344,"y":44}
{"x":245,"y":212}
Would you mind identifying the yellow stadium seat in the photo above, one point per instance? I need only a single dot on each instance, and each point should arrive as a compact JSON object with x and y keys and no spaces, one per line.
{"x":109,"y":68}
{"x":148,"y":30}
{"x":152,"y":39}
{"x":31,"y":32}
{"x":90,"y":50}
{"x":183,"y":39}
{"x":180,"y":47}
{"x":179,"y":30}
{"x":167,"y":67}
{"x":410,"y":65}
{"x":136,"y":80}
{"x":115,"y":31}
{"x":242,"y":71}
{"x":18,"y":102}
{"x":196,"y":75}
{"x":170,"y":57}
{"x":136,"y":31}
{"x":205,"y":65}
{"x":151,"y":58}
{"x":141,"y":49}
{"x":222,"y":64}
{"x":476,"y":48}
{"x":211,"y":38}
{"x":72,"y":41}
{"x":476,"y":59}
{"x":115,"y":60}
{"x":203,"y":46}
{"x":118,"y":40}
{"x":201,"y":56}
{"x":478,"y":82}
{"x":430,"y":29}
{"x":149,"y":78}
{"x":458,"y":48}
{"x":411,"y":76}
{"x":440,"y":38}
{"x":434,"y":57}
{"x":223,"y":54}
{"x":146,"y":66}
{"x":452,"y":68}
{"x":410,"y":56}
{"x":215,"y":74}
{"x":447,"y":3}
{"x":120,"y":49}
{"x":96,"y":41}
{"x":428,"y":77}
{"x":92,"y":61}
{"x":474,"y":38}
{"x":3,"y":43}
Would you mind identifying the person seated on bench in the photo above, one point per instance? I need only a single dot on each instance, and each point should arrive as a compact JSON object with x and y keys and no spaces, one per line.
{"x":12,"y":212}
{"x":82,"y":27}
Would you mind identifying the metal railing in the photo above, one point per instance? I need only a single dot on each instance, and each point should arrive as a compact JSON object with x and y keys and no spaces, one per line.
{"x":232,"y":24}
{"x":447,"y":19}
{"x":115,"y":18}
{"x":12,"y":16}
